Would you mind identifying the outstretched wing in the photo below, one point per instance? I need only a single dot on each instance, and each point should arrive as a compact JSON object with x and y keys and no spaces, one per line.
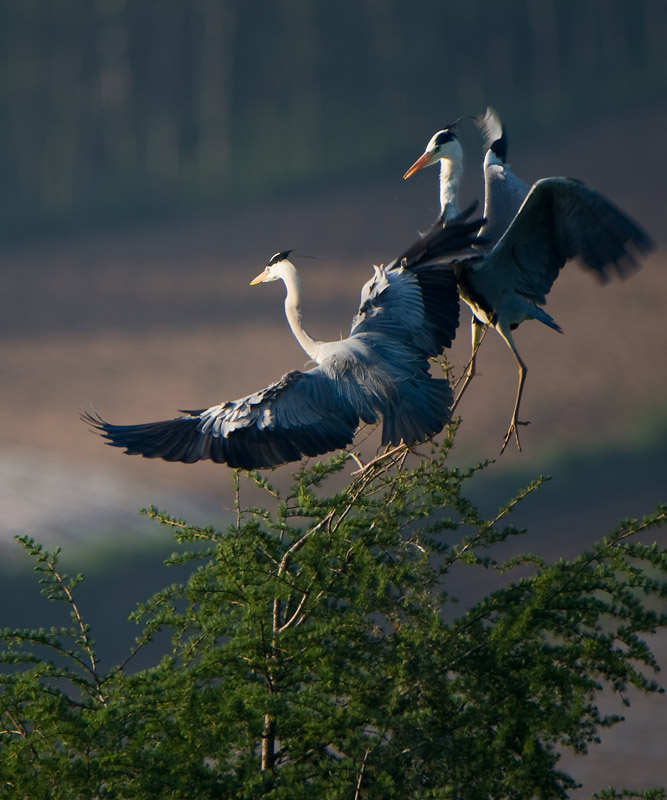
{"x":415,"y":299}
{"x":300,"y":415}
{"x":562,"y":219}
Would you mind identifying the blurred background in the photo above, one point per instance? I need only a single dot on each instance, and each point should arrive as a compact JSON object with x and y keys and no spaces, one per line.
{"x":154,"y":154}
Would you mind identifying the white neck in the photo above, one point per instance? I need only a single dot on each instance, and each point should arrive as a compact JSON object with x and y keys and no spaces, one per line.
{"x":491,"y":159}
{"x":450,"y":177}
{"x":293,"y":311}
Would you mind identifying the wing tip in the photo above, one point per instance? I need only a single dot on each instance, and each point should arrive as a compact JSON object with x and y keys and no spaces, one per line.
{"x":93,"y":419}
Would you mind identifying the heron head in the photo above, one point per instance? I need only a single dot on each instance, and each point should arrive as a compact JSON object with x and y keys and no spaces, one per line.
{"x":444,"y":145}
{"x":273,"y":270}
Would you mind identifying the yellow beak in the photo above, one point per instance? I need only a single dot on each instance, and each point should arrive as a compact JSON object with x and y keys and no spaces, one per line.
{"x":260,"y":278}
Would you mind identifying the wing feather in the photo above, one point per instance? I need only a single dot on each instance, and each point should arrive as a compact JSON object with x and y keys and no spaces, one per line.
{"x":415,"y":299}
{"x":562,"y":219}
{"x":302,"y":414}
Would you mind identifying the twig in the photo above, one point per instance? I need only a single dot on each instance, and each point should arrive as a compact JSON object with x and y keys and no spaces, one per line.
{"x":382,"y":456}
{"x":361,"y":774}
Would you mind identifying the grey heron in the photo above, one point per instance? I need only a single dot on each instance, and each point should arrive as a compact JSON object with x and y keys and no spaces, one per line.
{"x":532,"y":232}
{"x":408,"y":314}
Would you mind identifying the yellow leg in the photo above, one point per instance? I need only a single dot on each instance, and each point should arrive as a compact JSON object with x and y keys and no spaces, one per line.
{"x":523,"y":371}
{"x":478,"y":331}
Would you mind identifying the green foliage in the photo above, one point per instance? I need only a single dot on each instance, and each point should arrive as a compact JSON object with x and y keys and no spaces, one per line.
{"x":316,"y":653}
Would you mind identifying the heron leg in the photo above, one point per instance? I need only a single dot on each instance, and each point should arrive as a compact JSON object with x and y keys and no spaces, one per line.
{"x":523,"y":371}
{"x":358,"y":461}
{"x":478,"y":331}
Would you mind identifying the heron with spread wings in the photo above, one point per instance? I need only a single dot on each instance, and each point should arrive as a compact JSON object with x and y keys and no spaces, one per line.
{"x":530,"y":233}
{"x":409,"y":313}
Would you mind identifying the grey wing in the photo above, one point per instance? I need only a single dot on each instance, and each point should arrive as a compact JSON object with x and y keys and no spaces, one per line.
{"x":419,"y":308}
{"x":300,"y":415}
{"x":562,"y":219}
{"x":415,"y":299}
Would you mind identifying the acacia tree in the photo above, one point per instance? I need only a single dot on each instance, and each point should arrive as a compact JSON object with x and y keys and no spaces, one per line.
{"x":316,"y":654}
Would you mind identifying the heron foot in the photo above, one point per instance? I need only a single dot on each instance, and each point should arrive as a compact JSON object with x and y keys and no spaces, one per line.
{"x":513,"y":429}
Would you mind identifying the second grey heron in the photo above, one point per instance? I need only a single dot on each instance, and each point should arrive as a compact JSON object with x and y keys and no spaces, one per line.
{"x":533,"y":237}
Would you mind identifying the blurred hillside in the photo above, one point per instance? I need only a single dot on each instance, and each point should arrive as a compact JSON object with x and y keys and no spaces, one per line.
{"x":113,"y":110}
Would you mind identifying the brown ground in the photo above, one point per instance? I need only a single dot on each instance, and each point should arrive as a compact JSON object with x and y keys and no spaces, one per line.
{"x":144,"y":322}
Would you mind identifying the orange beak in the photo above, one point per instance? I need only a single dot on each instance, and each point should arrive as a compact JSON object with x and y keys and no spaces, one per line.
{"x":260,"y":278}
{"x":423,"y":161}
